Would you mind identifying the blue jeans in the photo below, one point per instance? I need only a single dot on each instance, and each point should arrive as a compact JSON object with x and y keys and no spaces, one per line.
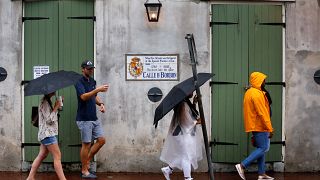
{"x":263,"y":144}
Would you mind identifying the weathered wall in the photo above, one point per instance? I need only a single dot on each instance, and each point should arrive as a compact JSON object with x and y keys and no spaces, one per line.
{"x":302,"y":126}
{"x":10,"y":92}
{"x":133,"y":144}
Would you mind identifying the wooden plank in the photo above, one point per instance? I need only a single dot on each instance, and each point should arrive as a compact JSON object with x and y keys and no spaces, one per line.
{"x":265,"y":55}
{"x":75,"y":45}
{"x":239,"y":49}
{"x":228,"y":58}
{"x":40,"y":49}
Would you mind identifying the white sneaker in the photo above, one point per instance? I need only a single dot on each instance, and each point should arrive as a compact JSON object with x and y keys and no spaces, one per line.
{"x":240,"y":171}
{"x":166,"y":172}
{"x":265,"y":177}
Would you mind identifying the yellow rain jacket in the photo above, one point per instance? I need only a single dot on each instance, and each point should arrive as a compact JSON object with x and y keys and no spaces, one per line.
{"x":256,"y":107}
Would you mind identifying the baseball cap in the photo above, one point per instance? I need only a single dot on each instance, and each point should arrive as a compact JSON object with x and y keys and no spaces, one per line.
{"x":87,"y":64}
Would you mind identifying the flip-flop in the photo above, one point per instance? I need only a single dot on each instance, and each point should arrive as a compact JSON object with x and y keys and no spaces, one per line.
{"x":89,"y":176}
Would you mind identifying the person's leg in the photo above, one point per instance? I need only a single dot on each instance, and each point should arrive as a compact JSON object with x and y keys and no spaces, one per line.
{"x":240,"y":169}
{"x":260,"y":139}
{"x":167,"y":171}
{"x":43,"y":153}
{"x":264,"y":144}
{"x":261,"y":165}
{"x":98,"y":135}
{"x":186,"y":168}
{"x":96,"y":147}
{"x":261,"y":161}
{"x":84,"y":157}
{"x":55,"y":151}
{"x":85,"y":128}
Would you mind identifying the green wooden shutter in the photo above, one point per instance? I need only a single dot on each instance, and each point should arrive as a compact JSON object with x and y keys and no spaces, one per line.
{"x":75,"y":45}
{"x":58,"y":34}
{"x":229,"y":37}
{"x":40,"y":48}
{"x":238,"y":43}
{"x":265,"y":55}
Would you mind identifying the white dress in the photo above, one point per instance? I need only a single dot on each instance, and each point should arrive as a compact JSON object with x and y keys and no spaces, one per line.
{"x":184,"y":144}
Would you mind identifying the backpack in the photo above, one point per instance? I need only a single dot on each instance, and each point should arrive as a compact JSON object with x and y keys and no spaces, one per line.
{"x":35,"y":116}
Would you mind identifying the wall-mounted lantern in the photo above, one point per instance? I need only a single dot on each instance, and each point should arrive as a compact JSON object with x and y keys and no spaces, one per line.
{"x":153,"y":10}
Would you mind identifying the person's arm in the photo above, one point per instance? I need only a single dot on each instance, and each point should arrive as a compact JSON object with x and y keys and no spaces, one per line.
{"x":100,"y":104}
{"x":88,"y":95}
{"x":195,"y":101}
{"x":262,"y":110}
{"x":199,"y":121}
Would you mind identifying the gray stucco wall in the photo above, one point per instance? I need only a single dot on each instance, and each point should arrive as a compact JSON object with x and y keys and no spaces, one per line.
{"x":302,"y":125}
{"x":133,"y":145}
{"x":10,"y":92}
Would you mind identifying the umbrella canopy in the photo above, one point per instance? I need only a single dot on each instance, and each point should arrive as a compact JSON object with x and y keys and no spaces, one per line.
{"x":51,"y":82}
{"x":177,"y":94}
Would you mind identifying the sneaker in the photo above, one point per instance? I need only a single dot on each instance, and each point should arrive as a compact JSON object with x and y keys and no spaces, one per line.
{"x":264,"y":177}
{"x":89,"y":176}
{"x":189,"y":178}
{"x":240,"y":171}
{"x":166,"y":172}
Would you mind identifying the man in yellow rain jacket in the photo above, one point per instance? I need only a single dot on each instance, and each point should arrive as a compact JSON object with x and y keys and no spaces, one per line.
{"x":257,"y":120}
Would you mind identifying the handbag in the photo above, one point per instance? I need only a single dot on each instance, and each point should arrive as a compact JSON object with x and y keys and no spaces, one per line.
{"x":35,"y":116}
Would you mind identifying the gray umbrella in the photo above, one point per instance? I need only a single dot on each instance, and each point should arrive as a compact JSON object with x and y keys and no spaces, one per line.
{"x":51,"y":82}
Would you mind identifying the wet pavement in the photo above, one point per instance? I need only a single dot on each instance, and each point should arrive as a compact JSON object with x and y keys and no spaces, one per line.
{"x":151,"y":176}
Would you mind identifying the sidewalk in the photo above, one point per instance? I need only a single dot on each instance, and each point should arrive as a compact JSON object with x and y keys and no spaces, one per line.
{"x":152,"y":176}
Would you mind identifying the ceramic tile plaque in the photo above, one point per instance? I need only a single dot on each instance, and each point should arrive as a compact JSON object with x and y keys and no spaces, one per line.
{"x":152,"y":67}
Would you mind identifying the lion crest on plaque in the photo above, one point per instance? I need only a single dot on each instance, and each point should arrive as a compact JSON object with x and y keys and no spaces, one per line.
{"x":135,"y":67}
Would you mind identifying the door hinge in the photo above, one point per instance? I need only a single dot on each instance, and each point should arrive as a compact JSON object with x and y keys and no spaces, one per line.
{"x":24,"y":82}
{"x":221,"y":82}
{"x":215,"y":143}
{"x":74,"y":145}
{"x":273,"y":24}
{"x":83,"y":17}
{"x":276,"y":83}
{"x":33,"y":18}
{"x":29,"y":144}
{"x":214,"y":23}
{"x":279,"y":142}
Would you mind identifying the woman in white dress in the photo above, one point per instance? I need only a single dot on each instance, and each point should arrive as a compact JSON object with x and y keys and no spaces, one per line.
{"x":183,"y":148}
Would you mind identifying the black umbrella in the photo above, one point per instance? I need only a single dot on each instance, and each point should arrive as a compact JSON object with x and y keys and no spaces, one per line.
{"x":177,"y":94}
{"x":51,"y":82}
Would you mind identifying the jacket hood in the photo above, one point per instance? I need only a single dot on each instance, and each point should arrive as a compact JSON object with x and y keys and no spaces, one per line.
{"x":256,"y":79}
